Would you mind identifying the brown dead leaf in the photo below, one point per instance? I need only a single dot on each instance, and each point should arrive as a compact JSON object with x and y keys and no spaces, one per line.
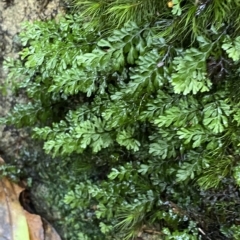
{"x":1,"y":161}
{"x":35,"y":226}
{"x":15,"y":222}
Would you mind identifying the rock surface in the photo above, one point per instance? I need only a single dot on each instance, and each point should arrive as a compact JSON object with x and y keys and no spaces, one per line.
{"x":12,"y":14}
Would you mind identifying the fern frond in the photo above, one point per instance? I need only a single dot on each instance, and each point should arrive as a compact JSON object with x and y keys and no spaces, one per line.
{"x":212,"y":177}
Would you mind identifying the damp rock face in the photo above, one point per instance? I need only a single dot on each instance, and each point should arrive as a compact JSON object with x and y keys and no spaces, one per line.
{"x":12,"y":14}
{"x":12,"y":140}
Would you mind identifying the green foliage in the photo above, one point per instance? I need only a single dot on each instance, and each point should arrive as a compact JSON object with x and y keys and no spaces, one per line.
{"x":182,"y":235}
{"x":236,"y":174}
{"x":213,"y":175}
{"x":106,"y":14}
{"x":233,"y":232}
{"x":10,"y":171}
{"x":190,"y":73}
{"x":141,"y":117}
{"x":232,"y":47}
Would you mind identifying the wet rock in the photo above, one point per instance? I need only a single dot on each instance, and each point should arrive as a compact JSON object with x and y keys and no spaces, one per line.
{"x":12,"y":14}
{"x":42,"y":199}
